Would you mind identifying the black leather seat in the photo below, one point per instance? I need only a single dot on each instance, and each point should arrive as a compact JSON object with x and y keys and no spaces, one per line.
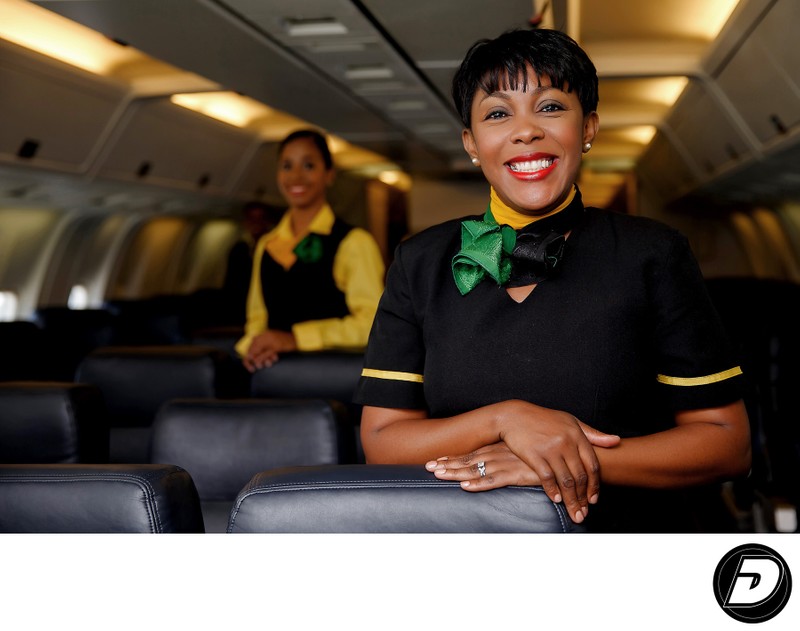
{"x":22,"y":349}
{"x":761,"y":317}
{"x":137,"y":380}
{"x":71,"y":334}
{"x":222,"y":444}
{"x":71,"y":498}
{"x":330,"y":375}
{"x":52,"y":422}
{"x":154,"y":321}
{"x":387,"y":499}
{"x":323,"y":375}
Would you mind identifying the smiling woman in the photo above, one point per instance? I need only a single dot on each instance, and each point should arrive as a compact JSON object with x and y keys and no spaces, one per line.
{"x":502,"y":138}
{"x":316,"y":280}
{"x":547,"y":343}
{"x":504,"y":116}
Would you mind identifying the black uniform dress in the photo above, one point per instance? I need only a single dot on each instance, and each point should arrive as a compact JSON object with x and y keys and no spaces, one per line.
{"x":237,"y":282}
{"x":621,"y":336}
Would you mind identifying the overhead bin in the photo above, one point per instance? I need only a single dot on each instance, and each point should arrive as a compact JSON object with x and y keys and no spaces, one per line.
{"x":257,"y":180}
{"x":71,"y":121}
{"x":734,"y":123}
{"x":160,"y":143}
{"x":707,"y":132}
{"x":762,"y":78}
{"x":663,"y":168}
{"x":60,"y":114}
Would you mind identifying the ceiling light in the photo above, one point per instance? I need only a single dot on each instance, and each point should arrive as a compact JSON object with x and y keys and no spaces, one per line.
{"x":318,"y":27}
{"x":229,"y":107}
{"x":666,"y":90}
{"x":395,"y":178}
{"x":408,"y":105}
{"x":336,"y":46}
{"x":368,"y":72}
{"x":382,"y":87}
{"x":47,"y":33}
{"x":439,"y":64}
{"x":433,"y":128}
{"x":640,"y":134}
{"x":703,"y":19}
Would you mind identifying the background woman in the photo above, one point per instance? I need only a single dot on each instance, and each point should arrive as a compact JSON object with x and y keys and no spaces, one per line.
{"x":316,"y":280}
{"x":545,"y":343}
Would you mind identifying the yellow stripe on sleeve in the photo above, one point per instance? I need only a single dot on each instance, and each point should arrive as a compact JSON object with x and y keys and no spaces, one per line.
{"x":699,"y":381}
{"x":392,"y":375}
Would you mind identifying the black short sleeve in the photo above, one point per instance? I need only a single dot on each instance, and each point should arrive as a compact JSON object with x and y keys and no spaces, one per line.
{"x":395,"y":358}
{"x":697,"y":368}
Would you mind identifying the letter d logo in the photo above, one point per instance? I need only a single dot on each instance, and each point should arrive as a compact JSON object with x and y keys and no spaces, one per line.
{"x":752,"y":583}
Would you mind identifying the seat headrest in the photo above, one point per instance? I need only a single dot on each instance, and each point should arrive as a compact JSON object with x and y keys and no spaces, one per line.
{"x":52,"y":422}
{"x":222,"y":444}
{"x":23,"y":346}
{"x":71,"y":498}
{"x":136,"y":381}
{"x":324,"y":375}
{"x":387,"y":499}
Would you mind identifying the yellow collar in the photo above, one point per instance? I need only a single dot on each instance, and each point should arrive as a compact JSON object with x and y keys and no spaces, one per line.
{"x":281,"y":241}
{"x":504,"y":215}
{"x":322,"y":223}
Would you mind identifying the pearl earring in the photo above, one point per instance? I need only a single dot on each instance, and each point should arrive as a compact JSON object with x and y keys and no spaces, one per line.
{"x":586,"y":147}
{"x":475,"y":161}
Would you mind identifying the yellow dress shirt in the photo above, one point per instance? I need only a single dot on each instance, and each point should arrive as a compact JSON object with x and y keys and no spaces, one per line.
{"x":358,"y":272}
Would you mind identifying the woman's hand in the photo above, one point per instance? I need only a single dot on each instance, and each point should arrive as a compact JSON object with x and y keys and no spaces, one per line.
{"x":547,"y":447}
{"x":502,"y":467}
{"x":559,"y":448}
{"x":266,"y":346}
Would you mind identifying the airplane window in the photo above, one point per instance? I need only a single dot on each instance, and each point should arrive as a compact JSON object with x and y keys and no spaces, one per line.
{"x":78,"y":297}
{"x":8,"y":306}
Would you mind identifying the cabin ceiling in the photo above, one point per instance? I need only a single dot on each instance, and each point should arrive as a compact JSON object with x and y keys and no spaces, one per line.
{"x":382,"y":84}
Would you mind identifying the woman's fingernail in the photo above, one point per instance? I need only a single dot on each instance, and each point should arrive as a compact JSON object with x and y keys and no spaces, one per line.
{"x":557,"y":498}
{"x":585,"y":510}
{"x":430,"y":466}
{"x":465,"y":484}
{"x":578,"y":517}
{"x":593,"y":499}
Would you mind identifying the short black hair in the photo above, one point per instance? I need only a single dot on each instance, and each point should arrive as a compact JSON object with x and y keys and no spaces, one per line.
{"x":316,"y":137}
{"x":493,"y":64}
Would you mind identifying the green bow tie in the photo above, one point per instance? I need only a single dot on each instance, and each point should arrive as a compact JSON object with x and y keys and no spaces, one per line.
{"x":485,"y":249}
{"x":309,"y":250}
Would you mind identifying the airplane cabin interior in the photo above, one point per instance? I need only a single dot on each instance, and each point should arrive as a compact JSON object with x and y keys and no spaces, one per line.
{"x":134,"y":132}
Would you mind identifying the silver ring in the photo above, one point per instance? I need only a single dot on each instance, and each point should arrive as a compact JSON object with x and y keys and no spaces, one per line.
{"x":481,"y":468}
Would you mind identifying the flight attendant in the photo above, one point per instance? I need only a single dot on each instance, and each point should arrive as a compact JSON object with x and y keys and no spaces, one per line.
{"x":316,"y":280}
{"x":548,"y":343}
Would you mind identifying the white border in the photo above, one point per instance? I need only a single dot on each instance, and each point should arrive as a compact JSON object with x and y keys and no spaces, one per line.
{"x":375,"y":582}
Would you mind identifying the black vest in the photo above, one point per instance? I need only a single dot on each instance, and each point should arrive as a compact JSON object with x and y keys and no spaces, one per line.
{"x":306,"y":291}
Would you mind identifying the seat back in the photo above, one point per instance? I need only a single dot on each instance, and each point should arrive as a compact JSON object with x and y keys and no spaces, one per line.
{"x":387,"y":499}
{"x":329,"y":375}
{"x":324,"y":375}
{"x":71,"y":334}
{"x":137,"y":380}
{"x":223,"y":444}
{"x":153,"y":321}
{"x":22,"y":349}
{"x":761,"y":318}
{"x":69,"y":498}
{"x":52,"y":422}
